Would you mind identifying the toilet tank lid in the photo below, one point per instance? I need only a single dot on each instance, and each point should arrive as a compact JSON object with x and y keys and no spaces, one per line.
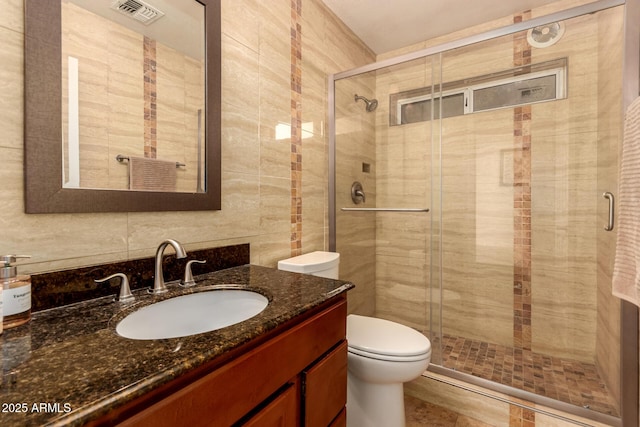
{"x":310,"y":262}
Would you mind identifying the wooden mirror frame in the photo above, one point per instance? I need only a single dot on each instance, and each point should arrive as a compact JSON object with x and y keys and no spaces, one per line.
{"x":43,"y":126}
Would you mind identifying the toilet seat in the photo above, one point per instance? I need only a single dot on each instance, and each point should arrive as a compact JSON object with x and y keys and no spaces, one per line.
{"x":385,"y":340}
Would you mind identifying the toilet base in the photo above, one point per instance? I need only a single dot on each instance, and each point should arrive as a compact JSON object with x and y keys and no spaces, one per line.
{"x":374,"y":405}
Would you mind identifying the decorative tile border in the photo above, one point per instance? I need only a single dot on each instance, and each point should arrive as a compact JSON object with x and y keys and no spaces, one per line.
{"x":522,"y":203}
{"x":150,"y":107}
{"x":296,"y":128}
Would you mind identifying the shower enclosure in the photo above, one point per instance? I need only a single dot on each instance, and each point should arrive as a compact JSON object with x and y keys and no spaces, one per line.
{"x":479,"y":217}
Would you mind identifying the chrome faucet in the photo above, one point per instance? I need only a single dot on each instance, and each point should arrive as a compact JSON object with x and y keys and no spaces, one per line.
{"x":158,"y":278}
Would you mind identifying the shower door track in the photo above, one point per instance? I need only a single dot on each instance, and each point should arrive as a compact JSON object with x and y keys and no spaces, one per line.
{"x":451,"y":375}
{"x":629,"y":342}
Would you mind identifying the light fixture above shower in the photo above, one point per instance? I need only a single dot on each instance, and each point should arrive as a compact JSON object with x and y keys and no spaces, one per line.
{"x":371,"y":104}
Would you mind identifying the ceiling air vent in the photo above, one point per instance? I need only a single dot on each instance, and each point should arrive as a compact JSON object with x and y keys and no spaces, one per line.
{"x":137,"y":10}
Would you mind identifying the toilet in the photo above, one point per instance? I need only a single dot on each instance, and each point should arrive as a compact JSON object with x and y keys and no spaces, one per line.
{"x":382,"y":355}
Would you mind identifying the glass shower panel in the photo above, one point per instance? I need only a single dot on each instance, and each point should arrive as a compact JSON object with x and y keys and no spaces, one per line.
{"x":386,"y":253}
{"x":521,"y":240}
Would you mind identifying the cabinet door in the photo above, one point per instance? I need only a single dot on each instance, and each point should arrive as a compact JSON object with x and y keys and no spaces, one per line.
{"x":341,"y":419}
{"x":326,"y":388}
{"x":281,"y":412}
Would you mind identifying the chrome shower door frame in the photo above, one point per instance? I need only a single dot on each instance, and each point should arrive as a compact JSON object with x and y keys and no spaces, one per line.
{"x":629,"y":372}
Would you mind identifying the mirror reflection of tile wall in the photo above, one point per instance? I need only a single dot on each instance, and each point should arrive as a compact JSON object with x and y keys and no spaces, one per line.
{"x":136,"y":97}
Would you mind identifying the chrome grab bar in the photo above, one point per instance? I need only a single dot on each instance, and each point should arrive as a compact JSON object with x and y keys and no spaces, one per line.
{"x":384,"y":209}
{"x":609,"y":196}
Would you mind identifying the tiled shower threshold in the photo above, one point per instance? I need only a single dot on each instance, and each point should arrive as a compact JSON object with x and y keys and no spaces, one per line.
{"x":573,"y":382}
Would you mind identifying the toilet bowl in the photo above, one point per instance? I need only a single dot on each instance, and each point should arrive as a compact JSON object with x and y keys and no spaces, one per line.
{"x":382,"y":355}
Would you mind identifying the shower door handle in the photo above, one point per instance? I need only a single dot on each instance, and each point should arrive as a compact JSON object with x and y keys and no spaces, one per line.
{"x":609,"y":196}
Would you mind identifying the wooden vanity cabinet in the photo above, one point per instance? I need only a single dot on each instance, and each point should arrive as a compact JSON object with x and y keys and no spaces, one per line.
{"x":297,"y":377}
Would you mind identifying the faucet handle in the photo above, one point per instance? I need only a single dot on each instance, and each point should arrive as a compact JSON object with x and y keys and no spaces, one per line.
{"x":125,"y":290}
{"x":188,"y":275}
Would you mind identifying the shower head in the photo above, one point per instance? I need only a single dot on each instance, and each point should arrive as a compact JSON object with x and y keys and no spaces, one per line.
{"x":371,"y":105}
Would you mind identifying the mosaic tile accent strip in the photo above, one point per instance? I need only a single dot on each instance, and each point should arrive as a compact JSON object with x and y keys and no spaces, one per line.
{"x":296,"y":127}
{"x":521,"y":417}
{"x":150,"y":107}
{"x":569,"y":381}
{"x":522,"y":203}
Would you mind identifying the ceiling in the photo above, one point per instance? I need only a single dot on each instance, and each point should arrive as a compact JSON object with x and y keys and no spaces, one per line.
{"x":181,"y":27}
{"x":385,"y":25}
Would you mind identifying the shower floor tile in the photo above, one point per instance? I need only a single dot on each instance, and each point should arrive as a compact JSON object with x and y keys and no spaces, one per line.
{"x":569,"y":381}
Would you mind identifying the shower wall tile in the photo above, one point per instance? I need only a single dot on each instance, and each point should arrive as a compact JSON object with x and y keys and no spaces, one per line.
{"x":240,"y":76}
{"x":269,"y":248}
{"x":275,"y":118}
{"x":401,"y":295}
{"x":240,"y":193}
{"x":240,"y":108}
{"x":246,"y":12}
{"x":314,"y":191}
{"x":13,"y":16}
{"x":477,"y":60}
{"x":355,"y":144}
{"x":275,"y":196}
{"x":241,"y":148}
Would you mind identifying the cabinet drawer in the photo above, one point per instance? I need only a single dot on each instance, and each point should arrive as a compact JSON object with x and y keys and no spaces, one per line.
{"x":325,"y":385}
{"x":281,"y":412}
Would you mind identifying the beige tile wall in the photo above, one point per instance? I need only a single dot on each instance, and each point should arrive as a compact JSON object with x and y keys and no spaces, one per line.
{"x":255,"y":165}
{"x":356,"y":231}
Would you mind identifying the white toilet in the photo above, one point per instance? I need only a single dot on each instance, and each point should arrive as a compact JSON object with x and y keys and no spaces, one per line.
{"x":382,"y":355}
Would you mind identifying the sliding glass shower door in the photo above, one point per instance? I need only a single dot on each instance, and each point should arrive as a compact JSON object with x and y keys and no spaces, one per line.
{"x":525,"y":260}
{"x":510,"y":143}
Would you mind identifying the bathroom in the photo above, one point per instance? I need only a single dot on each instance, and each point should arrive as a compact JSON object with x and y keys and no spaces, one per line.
{"x":279,"y":213}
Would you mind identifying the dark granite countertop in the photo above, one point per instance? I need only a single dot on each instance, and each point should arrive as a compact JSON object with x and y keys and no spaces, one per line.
{"x":68,"y":366}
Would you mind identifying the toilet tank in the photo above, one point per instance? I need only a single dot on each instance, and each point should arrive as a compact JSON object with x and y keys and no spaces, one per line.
{"x":318,"y":263}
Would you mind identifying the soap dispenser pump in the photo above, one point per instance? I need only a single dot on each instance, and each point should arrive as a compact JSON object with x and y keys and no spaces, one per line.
{"x":16,"y":293}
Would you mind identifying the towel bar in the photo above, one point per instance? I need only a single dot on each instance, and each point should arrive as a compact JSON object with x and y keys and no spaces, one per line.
{"x":384,"y":209}
{"x":122,"y":158}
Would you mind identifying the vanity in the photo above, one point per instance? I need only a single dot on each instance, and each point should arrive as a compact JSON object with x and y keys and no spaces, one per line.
{"x":285,"y":366}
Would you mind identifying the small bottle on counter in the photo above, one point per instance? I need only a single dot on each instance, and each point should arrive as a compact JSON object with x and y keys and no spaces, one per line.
{"x":16,"y":293}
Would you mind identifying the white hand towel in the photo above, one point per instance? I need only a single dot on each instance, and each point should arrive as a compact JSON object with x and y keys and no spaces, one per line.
{"x":626,"y":270}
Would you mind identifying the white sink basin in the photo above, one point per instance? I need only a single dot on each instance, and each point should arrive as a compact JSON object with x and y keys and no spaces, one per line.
{"x":191,"y":314}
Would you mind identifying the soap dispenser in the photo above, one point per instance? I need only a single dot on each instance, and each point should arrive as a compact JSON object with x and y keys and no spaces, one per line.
{"x":16,"y":293}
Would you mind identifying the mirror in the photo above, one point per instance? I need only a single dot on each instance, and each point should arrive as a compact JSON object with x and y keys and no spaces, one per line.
{"x":122,"y":115}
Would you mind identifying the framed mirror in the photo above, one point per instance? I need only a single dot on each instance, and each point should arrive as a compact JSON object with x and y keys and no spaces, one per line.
{"x":122,"y":105}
